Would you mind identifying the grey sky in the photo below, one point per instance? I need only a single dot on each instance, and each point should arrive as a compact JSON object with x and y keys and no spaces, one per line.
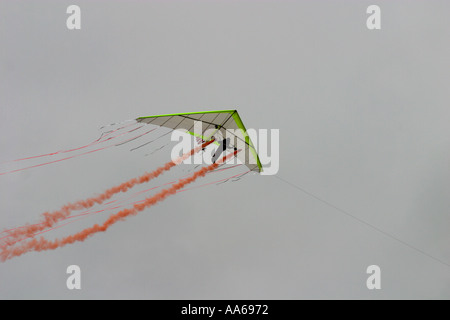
{"x":363,"y":118}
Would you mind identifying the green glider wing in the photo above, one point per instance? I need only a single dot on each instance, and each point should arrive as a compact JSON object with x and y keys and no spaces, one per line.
{"x":227,"y":122}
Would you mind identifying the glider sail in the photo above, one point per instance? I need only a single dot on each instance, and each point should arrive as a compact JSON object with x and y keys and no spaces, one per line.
{"x":227,"y":122}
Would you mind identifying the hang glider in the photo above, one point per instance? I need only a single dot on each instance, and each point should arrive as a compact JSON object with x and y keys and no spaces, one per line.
{"x":227,"y":122}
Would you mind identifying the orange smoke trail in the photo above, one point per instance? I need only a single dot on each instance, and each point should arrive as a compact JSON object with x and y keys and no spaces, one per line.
{"x":118,"y":205}
{"x":51,"y":218}
{"x":42,"y":244}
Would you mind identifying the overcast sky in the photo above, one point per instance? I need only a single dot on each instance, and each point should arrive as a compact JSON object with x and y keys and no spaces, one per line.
{"x":363,"y":118}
